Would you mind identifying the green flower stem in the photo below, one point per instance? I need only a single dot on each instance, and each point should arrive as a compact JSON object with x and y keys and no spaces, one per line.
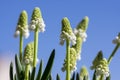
{"x":102,"y":77}
{"x":113,"y":53}
{"x":35,"y":46}
{"x":27,"y":72}
{"x":21,"y":46}
{"x":68,"y":59}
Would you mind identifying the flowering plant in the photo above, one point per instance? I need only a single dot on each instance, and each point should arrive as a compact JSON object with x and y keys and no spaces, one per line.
{"x":26,"y":61}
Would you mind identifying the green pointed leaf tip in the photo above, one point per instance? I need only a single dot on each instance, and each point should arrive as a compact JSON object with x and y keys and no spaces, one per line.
{"x":84,"y":72}
{"x":36,"y":13}
{"x":57,"y":77}
{"x":23,"y":18}
{"x":49,"y":65}
{"x":11,"y":71}
{"x":66,"y":25}
{"x":40,"y":71}
{"x":77,"y":76}
{"x":33,"y":73}
{"x":83,"y":24}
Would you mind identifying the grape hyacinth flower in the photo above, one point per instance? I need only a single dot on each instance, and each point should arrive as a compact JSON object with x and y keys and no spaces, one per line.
{"x":22,"y":26}
{"x":72,"y":61}
{"x":68,"y":36}
{"x":80,"y":32}
{"x":117,"y":39}
{"x":37,"y":21}
{"x":84,"y":75}
{"x":37,"y":25}
{"x":102,"y":68}
{"x":100,"y":65}
{"x":22,"y":31}
{"x":29,"y":54}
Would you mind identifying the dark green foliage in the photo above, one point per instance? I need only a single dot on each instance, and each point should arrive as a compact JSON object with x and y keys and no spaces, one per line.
{"x":19,"y":71}
{"x":40,"y":71}
{"x":50,"y":77}
{"x":77,"y":76}
{"x":73,"y":77}
{"x":57,"y":77}
{"x":94,"y":76}
{"x":109,"y":77}
{"x":33,"y":74}
{"x":11,"y":71}
{"x":48,"y":68}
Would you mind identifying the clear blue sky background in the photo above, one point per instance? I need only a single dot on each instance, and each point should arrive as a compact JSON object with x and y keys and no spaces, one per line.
{"x":104,"y":25}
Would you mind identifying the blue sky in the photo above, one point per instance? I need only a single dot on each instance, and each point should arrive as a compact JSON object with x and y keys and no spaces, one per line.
{"x":104,"y":25}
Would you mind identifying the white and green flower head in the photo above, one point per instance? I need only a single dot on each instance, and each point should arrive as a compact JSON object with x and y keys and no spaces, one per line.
{"x":81,"y":28}
{"x":29,"y":53}
{"x":80,"y":32}
{"x":84,"y":73}
{"x":102,"y":68}
{"x":117,"y":39}
{"x":97,"y":59}
{"x":22,"y":25}
{"x":66,"y":32}
{"x":73,"y":61}
{"x":37,"y":21}
{"x":100,"y":64}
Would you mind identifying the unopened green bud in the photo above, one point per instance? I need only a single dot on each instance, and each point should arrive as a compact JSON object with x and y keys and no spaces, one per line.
{"x":83,"y":24}
{"x":83,"y":73}
{"x":97,"y":59}
{"x":36,"y":14}
{"x":23,"y":19}
{"x":29,"y":53}
{"x":66,"y":26}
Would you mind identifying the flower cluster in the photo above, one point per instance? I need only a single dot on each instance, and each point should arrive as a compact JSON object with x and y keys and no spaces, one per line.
{"x":100,"y":65}
{"x":117,"y":39}
{"x":81,"y":33}
{"x":84,"y":73}
{"x":29,"y":53}
{"x":76,"y":37}
{"x":22,"y":26}
{"x":102,"y":68}
{"x":72,"y":61}
{"x":66,"y":33}
{"x":36,"y":22}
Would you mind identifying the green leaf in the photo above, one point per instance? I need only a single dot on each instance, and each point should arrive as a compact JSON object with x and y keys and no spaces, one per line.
{"x":50,"y":77}
{"x":109,"y":77}
{"x":77,"y":76}
{"x":33,"y":73}
{"x":57,"y":77}
{"x":49,"y":65}
{"x":73,"y":77}
{"x":15,"y":77}
{"x":11,"y":71}
{"x":40,"y":71}
{"x":94,"y":76}
{"x":20,"y":72}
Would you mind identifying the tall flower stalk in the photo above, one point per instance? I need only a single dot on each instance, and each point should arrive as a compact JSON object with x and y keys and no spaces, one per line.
{"x":117,"y":42}
{"x":28,"y":58}
{"x":22,"y":31}
{"x":37,"y":25}
{"x":68,"y":36}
